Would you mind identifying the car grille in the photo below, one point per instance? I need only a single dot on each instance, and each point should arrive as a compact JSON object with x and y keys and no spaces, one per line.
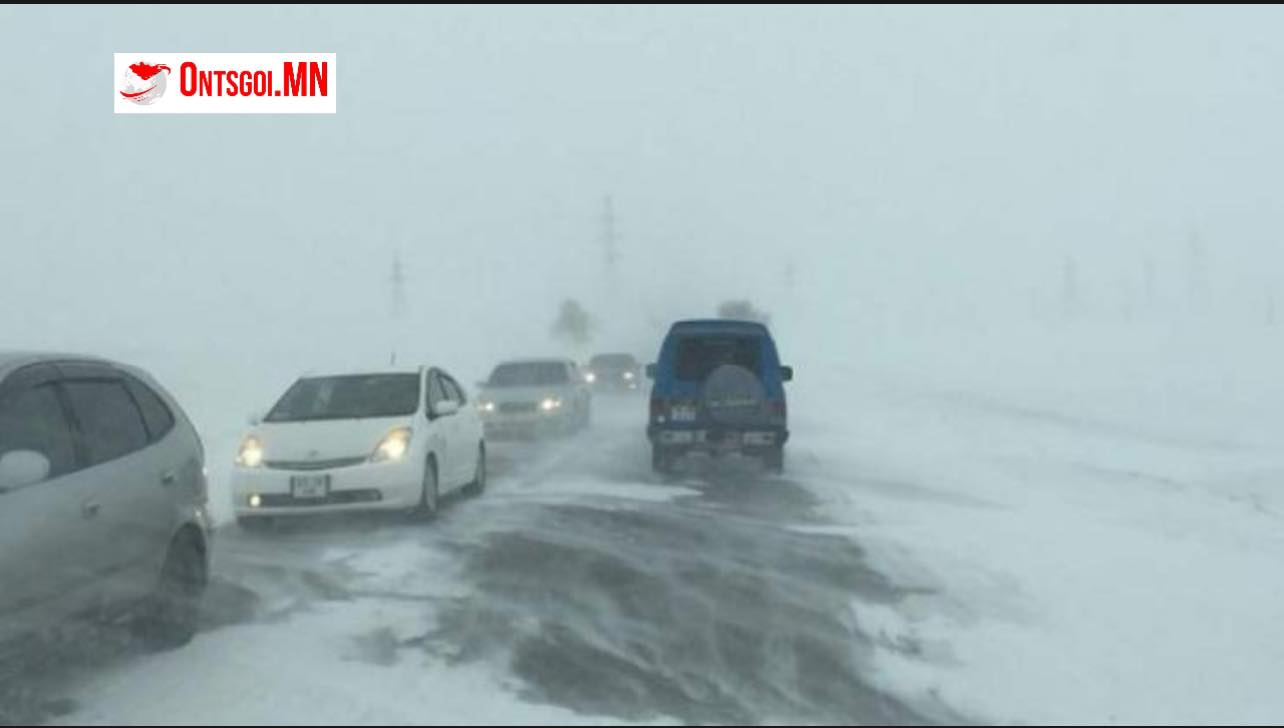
{"x":314,"y":464}
{"x":338,"y":497}
{"x":512,"y":408}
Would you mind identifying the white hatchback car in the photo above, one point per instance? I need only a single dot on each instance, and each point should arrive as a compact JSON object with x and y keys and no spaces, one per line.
{"x":381,"y":441}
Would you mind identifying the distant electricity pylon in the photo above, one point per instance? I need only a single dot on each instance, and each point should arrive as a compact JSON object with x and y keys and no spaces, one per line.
{"x":610,"y":237}
{"x":398,"y":282}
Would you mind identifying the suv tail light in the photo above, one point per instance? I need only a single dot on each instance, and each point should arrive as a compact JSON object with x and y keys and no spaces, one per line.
{"x":779,"y":410}
{"x":659,"y":408}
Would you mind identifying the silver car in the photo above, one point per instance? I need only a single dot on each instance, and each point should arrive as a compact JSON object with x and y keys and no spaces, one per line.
{"x":533,"y":397}
{"x":102,"y":499}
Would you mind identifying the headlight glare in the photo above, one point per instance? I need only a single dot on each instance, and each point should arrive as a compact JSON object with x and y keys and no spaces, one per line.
{"x":251,"y":453}
{"x":393,"y":446}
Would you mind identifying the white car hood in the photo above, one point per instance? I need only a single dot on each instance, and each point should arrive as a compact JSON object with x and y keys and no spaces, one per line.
{"x":324,"y":439}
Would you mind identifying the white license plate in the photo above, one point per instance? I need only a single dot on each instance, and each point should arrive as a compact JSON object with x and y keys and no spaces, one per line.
{"x":683,"y":414}
{"x":310,"y":486}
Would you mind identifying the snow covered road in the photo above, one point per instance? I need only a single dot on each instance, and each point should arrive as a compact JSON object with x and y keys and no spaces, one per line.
{"x":933,"y":554}
{"x":579,"y":587}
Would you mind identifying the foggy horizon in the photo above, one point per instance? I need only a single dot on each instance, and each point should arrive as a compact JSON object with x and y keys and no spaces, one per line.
{"x":1022,"y":267}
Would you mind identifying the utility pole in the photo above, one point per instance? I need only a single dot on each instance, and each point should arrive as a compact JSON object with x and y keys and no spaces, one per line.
{"x":610,"y":237}
{"x":1197,"y":272}
{"x":1069,"y":286}
{"x":397,"y":280}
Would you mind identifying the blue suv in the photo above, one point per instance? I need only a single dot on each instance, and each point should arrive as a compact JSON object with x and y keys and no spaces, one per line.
{"x":718,"y":389}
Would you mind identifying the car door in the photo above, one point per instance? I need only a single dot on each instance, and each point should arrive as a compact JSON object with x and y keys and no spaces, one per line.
{"x":128,"y":514}
{"x":462,"y":436}
{"x":44,"y":550}
{"x":440,"y":432}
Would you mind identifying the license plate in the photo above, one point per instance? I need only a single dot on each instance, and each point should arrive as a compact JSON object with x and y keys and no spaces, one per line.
{"x":310,"y":486}
{"x":683,"y":414}
{"x":729,"y":441}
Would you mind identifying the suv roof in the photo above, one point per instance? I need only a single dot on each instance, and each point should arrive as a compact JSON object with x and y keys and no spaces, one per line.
{"x":697,"y":326}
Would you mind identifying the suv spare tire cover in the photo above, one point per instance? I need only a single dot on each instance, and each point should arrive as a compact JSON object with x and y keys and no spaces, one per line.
{"x":733,"y":395}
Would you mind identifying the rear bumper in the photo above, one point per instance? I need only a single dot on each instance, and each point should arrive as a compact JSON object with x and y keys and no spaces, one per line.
{"x":717,"y":438}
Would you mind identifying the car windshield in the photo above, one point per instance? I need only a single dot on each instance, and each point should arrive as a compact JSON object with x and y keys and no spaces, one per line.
{"x":612,"y":361}
{"x":348,"y":398}
{"x":528,"y":374}
{"x":698,"y":356}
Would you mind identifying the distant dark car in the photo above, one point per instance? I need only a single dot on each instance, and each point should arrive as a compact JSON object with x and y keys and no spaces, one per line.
{"x":719,"y":388}
{"x":614,"y":373}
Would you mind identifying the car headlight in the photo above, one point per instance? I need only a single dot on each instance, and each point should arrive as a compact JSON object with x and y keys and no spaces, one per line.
{"x":393,"y":446}
{"x":251,"y":453}
{"x":486,"y":406}
{"x":628,"y":376}
{"x":550,"y":403}
{"x":590,"y":377}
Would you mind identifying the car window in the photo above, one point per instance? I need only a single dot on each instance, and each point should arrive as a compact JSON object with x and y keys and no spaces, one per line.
{"x":348,"y":397}
{"x":110,"y":424}
{"x":453,"y":390}
{"x":33,"y":419}
{"x":156,"y":414}
{"x":698,"y":356}
{"x":612,"y":361}
{"x":529,"y":374}
{"x":436,"y":392}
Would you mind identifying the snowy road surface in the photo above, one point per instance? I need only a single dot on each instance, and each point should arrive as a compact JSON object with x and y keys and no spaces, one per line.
{"x":929,"y":556}
{"x":579,"y":587}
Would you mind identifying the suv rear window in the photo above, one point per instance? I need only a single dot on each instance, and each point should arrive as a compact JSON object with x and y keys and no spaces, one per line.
{"x":698,"y":356}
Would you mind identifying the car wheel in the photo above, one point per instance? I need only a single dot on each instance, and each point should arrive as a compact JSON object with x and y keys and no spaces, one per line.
{"x":429,"y":493}
{"x":478,"y":485}
{"x":774,"y":460}
{"x":170,"y":617}
{"x":662,"y":460}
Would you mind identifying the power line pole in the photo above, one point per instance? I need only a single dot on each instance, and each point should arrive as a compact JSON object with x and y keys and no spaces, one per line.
{"x":610,"y":237}
{"x":398,"y":284}
{"x":398,"y":281}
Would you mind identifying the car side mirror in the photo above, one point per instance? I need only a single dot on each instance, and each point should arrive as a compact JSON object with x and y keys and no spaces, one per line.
{"x":650,"y":371}
{"x":22,"y":467}
{"x":786,"y":374}
{"x":445,"y":408}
